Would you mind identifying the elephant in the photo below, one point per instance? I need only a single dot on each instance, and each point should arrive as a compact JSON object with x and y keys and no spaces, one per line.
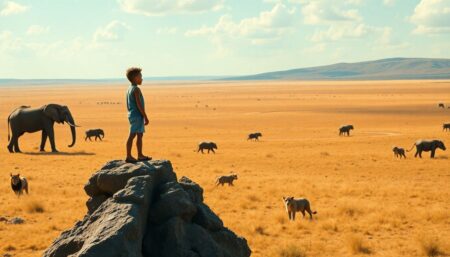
{"x":30,"y":120}
{"x":97,"y":133}
{"x":210,"y":146}
{"x":426,"y":146}
{"x":441,"y":105}
{"x":446,"y":126}
{"x":254,"y":136}
{"x":345,"y":130}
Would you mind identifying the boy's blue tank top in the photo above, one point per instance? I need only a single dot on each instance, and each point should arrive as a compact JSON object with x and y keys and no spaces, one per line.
{"x":133,"y":110}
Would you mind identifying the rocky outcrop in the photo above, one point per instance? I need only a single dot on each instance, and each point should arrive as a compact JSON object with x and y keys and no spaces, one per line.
{"x":141,"y":210}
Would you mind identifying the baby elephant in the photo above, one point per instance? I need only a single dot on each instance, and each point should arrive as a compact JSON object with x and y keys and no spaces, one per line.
{"x":345,"y":130}
{"x":294,"y":205}
{"x":226,"y":179}
{"x":446,"y":126}
{"x":254,"y":136}
{"x":19,"y":184}
{"x":97,"y":133}
{"x":399,"y":152}
{"x":210,"y":146}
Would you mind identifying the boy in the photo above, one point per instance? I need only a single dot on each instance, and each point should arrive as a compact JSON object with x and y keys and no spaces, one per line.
{"x":136,"y":115}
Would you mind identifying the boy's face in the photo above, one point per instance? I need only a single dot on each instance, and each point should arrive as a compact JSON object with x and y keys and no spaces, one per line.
{"x":138,"y":79}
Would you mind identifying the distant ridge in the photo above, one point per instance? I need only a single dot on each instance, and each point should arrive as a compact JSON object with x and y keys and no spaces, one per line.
{"x":385,"y":69}
{"x":37,"y":82}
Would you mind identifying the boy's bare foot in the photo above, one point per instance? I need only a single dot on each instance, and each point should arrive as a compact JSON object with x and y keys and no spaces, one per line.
{"x":144,"y":158}
{"x":130,"y":160}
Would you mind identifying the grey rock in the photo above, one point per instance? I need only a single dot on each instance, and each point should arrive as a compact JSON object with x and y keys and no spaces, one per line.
{"x":16,"y":221}
{"x":192,"y":188}
{"x":206,"y":218}
{"x":140,"y":210}
{"x":94,"y":202}
{"x":115,"y":174}
{"x":173,"y":201}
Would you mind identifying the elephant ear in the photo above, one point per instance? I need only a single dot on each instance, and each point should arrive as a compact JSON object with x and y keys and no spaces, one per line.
{"x":52,"y":112}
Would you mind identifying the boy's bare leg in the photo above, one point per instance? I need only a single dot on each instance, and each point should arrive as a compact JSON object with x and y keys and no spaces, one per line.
{"x":139,"y":145}
{"x":130,"y":145}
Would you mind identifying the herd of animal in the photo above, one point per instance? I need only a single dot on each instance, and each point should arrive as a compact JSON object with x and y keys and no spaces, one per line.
{"x":25,"y":119}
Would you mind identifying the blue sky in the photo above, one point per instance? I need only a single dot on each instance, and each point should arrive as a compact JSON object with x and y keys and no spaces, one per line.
{"x":101,"y":38}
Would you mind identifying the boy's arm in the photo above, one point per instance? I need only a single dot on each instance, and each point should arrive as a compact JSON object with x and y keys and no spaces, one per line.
{"x":137,"y":94}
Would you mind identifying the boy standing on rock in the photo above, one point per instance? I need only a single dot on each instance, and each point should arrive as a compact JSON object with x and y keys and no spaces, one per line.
{"x":136,"y":114}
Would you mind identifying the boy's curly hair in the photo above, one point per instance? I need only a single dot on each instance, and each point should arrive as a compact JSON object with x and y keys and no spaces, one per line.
{"x":133,"y":72}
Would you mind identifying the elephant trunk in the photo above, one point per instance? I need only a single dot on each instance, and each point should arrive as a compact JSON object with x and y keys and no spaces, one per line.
{"x":71,"y":123}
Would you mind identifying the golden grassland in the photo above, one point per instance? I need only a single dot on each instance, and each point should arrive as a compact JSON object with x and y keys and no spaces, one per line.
{"x":368,"y":202}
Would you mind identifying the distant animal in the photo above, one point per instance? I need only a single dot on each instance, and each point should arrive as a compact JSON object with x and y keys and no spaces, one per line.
{"x":345,"y":130}
{"x":427,"y":146}
{"x":226,"y":179}
{"x":210,"y":146}
{"x":19,"y":184}
{"x":446,"y":126}
{"x":254,"y":136}
{"x":25,"y":119}
{"x":441,"y":105}
{"x":97,"y":133}
{"x":294,"y":205}
{"x":399,"y":152}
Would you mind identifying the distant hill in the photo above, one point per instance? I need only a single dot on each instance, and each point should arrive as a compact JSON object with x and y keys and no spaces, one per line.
{"x":385,"y":69}
{"x":37,"y":82}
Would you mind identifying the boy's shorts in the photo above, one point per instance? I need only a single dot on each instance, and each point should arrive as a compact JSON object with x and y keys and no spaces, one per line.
{"x":136,"y":125}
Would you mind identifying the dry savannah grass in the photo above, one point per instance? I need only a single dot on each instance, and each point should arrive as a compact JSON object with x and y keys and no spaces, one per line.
{"x":368,"y":202}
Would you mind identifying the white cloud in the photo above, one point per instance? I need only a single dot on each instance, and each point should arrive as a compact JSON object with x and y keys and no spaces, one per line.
{"x":338,"y":32}
{"x":389,"y":2}
{"x":10,"y":8}
{"x":163,"y":7}
{"x":385,"y":41}
{"x":167,"y":31}
{"x":35,"y":30}
{"x":328,"y":12}
{"x":266,"y":27}
{"x":336,"y":20}
{"x":113,"y":31}
{"x":432,"y":16}
{"x":8,"y":42}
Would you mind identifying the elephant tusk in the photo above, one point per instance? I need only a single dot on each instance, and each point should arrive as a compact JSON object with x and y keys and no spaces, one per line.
{"x":72,"y":125}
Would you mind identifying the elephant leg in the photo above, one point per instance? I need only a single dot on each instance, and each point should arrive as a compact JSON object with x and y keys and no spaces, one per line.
{"x":213,"y":151}
{"x":11,"y":143}
{"x":433,"y":152}
{"x":43,"y":141}
{"x":293,"y":215}
{"x":85,"y":139}
{"x":96,"y":138}
{"x":420,"y":154}
{"x":16,"y":143}
{"x":303,"y":213}
{"x":90,"y":139}
{"x":51,"y":136}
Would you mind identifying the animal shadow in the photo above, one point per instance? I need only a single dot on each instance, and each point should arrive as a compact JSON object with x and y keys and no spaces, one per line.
{"x":79,"y":153}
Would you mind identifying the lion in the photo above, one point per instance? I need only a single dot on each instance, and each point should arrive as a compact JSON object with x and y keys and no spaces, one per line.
{"x":294,"y":205}
{"x":226,"y":179}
